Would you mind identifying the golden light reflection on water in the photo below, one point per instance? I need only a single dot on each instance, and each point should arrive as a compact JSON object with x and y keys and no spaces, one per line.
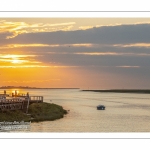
{"x":21,"y":91}
{"x":13,"y":91}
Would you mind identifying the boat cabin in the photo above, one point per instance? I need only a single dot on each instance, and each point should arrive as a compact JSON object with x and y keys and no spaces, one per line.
{"x":100,"y":107}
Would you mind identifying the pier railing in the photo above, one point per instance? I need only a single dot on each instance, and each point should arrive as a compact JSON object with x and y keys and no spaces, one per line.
{"x":17,"y":100}
{"x":36,"y":98}
{"x":14,"y":103}
{"x":7,"y":101}
{"x":2,"y":97}
{"x":11,"y":104}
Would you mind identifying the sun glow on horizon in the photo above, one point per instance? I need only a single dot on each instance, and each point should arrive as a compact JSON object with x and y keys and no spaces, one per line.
{"x":9,"y":59}
{"x":16,"y":61}
{"x":15,"y":56}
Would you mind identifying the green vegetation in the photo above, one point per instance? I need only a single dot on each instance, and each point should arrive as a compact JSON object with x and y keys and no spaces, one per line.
{"x":46,"y":111}
{"x":38,"y":112}
{"x":11,"y":116}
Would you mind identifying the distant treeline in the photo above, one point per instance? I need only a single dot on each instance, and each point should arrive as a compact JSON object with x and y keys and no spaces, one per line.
{"x":33,"y":88}
{"x":123,"y":91}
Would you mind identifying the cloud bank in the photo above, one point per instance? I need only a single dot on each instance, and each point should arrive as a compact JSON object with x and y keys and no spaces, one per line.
{"x":121,"y":50}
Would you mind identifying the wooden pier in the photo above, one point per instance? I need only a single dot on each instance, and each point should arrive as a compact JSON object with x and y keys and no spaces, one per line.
{"x":18,"y":101}
{"x":11,"y":104}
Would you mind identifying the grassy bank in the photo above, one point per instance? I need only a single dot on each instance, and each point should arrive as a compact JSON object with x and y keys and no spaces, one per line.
{"x":38,"y":112}
{"x":46,"y":111}
{"x":10,"y":116}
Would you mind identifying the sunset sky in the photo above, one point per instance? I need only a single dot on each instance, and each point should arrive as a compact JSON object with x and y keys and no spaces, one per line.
{"x":86,"y":53}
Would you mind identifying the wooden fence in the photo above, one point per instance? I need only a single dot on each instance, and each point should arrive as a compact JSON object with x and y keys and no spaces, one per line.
{"x":18,"y":103}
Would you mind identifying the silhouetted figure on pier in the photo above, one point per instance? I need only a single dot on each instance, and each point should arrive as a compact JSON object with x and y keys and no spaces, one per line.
{"x":27,"y":94}
{"x":12,"y":94}
{"x":15,"y":93}
{"x":5,"y":92}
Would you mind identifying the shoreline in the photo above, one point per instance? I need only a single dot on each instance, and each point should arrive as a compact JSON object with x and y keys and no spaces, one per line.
{"x":33,"y":88}
{"x":137,"y":91}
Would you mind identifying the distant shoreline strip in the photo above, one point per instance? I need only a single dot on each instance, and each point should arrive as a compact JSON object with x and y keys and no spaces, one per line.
{"x":122,"y":91}
{"x":33,"y":88}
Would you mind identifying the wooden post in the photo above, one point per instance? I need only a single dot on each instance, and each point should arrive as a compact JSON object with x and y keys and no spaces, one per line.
{"x":27,"y":105}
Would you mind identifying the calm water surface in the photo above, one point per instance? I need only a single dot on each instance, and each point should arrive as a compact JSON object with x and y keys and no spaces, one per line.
{"x":124,"y":112}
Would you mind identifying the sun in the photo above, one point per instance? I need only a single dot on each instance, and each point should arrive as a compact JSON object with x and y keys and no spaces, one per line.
{"x":15,"y":61}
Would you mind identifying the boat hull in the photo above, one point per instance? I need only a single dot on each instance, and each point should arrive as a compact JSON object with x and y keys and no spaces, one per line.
{"x":100,"y":107}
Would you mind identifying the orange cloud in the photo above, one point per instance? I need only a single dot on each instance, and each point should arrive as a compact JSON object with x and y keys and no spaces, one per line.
{"x":46,"y":45}
{"x":22,"y":27}
{"x":24,"y":66}
{"x":16,"y":56}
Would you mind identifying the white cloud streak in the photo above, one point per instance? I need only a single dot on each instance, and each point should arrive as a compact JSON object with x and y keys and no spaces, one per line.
{"x":112,"y":54}
{"x":46,"y":45}
{"x":128,"y":66}
{"x":145,"y":45}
